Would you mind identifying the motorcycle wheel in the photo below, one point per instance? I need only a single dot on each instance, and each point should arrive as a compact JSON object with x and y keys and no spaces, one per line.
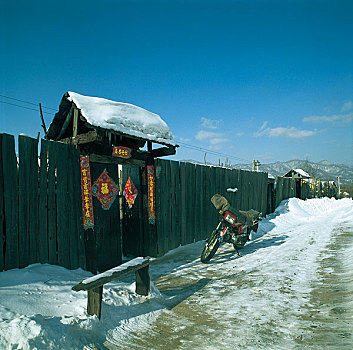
{"x":211,"y":247}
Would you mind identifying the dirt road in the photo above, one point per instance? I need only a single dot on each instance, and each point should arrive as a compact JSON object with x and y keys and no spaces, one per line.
{"x":291,"y":288}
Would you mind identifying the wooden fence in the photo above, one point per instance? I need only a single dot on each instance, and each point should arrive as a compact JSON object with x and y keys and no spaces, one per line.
{"x":41,"y":208}
{"x":185,"y":213}
{"x":40,"y":204}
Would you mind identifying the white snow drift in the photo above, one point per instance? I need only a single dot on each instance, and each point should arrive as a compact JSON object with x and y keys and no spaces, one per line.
{"x":38,"y":309}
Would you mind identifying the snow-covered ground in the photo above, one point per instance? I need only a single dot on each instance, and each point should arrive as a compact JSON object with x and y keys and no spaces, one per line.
{"x":290,"y":288}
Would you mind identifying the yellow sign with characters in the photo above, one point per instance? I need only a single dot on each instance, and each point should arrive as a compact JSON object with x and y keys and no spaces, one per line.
{"x":122,"y":152}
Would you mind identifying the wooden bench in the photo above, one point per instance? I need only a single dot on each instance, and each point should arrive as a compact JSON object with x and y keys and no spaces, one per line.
{"x":94,"y":285}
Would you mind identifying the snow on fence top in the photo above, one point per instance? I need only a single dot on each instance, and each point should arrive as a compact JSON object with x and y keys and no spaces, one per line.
{"x":122,"y":117}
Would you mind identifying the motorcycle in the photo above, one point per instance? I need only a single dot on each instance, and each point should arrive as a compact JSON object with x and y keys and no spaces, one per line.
{"x":234,"y":227}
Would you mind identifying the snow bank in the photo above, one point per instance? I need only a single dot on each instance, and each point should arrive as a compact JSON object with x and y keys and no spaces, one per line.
{"x":123,"y":117}
{"x":272,"y":279}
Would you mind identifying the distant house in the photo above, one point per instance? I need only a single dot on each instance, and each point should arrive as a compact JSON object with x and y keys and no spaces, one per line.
{"x":297,"y":174}
{"x":300,"y":176}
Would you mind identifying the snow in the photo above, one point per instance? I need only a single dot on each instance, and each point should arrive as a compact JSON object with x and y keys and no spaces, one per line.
{"x":119,"y":268}
{"x":123,"y":117}
{"x":302,"y":172}
{"x":256,"y":297}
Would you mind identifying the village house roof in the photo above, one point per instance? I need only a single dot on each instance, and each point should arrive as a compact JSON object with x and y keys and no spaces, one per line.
{"x":122,"y":118}
{"x":297,"y":173}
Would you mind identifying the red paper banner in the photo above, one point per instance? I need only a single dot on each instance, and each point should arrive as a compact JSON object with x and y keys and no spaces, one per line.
{"x":151,"y":190}
{"x":87,"y":205}
{"x":130,"y":192}
{"x":105,"y":190}
{"x":122,"y":152}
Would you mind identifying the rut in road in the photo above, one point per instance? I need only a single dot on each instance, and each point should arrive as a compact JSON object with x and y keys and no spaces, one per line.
{"x":267,"y":298}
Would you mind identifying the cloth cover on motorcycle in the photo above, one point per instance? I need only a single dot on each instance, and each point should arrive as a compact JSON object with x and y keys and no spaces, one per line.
{"x":220,"y":202}
{"x":245,"y":217}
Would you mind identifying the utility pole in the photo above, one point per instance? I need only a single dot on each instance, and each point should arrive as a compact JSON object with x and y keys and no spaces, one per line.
{"x":257,"y":165}
{"x":43,"y":122}
{"x":339,"y":186}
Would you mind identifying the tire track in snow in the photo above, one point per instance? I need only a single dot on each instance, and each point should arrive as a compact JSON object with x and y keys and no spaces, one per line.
{"x":259,"y":300}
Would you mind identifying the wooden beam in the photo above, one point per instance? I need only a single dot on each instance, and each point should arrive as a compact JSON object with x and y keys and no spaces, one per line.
{"x":112,"y":274}
{"x":94,"y":301}
{"x":143,"y":281}
{"x":43,"y":122}
{"x":75,"y":123}
{"x":162,"y":152}
{"x":90,"y":136}
{"x":98,"y":158}
{"x":66,"y":123}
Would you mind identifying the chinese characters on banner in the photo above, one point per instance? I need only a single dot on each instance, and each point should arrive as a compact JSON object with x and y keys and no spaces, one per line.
{"x":130,"y":192}
{"x":151,"y":190}
{"x":105,"y":190}
{"x":87,"y":205}
{"x":122,"y":152}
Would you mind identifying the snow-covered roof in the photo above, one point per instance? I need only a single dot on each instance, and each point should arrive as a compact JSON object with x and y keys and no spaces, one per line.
{"x":302,"y":172}
{"x":297,"y":173}
{"x":122,"y":117}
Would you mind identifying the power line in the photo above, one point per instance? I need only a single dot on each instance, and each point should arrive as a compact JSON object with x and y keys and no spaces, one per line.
{"x":30,"y":103}
{"x":32,"y":109}
{"x":197,"y":148}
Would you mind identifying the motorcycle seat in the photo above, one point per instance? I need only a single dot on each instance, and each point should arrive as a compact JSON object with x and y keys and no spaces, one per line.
{"x":249,"y":216}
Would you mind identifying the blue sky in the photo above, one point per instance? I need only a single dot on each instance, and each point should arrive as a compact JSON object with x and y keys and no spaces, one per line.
{"x":266,"y":80}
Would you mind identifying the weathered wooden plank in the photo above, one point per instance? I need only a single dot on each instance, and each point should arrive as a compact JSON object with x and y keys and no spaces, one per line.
{"x":211,"y":211}
{"x":143,"y":281}
{"x":162,"y":152}
{"x":75,"y":123}
{"x":112,"y":274}
{"x":72,"y":231}
{"x":107,"y":222}
{"x":264,"y":192}
{"x":77,"y":209}
{"x":52,"y":204}
{"x":88,"y":137}
{"x":175,"y":204}
{"x":168,"y":219}
{"x":43,"y":248}
{"x":165,"y":208}
{"x":203,"y":202}
{"x":133,"y":161}
{"x":63,"y":205}
{"x":10,"y":182}
{"x":254,"y":191}
{"x":2,"y":216}
{"x":66,"y":123}
{"x":132,"y":217}
{"x":94,"y":285}
{"x":197,"y":203}
{"x":183,"y":211}
{"x":195,"y":195}
{"x":28,"y":200}
{"x":190,"y":214}
{"x":94,"y":301}
{"x":160,"y":198}
{"x":149,"y":231}
{"x":239,"y":196}
{"x":159,"y":201}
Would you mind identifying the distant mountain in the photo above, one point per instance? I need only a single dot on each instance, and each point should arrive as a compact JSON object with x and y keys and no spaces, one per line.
{"x":324,"y":170}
